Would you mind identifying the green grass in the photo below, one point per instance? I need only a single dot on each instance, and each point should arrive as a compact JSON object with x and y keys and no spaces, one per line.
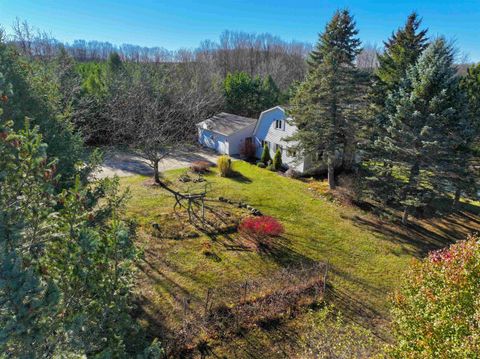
{"x":366,"y":257}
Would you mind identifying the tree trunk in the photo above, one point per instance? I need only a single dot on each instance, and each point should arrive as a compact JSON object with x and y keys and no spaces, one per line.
{"x":405,"y":215}
{"x":456,"y":199}
{"x":348,"y":154}
{"x":156,"y":173}
{"x":331,"y":174}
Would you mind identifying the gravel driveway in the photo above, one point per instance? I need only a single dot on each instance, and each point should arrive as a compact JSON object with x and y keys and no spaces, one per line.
{"x":124,"y":163}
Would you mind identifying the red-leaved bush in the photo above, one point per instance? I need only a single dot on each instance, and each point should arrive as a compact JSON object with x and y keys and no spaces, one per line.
{"x":263,"y":226}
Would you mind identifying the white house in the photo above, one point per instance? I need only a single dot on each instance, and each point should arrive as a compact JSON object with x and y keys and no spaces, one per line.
{"x":227,"y":133}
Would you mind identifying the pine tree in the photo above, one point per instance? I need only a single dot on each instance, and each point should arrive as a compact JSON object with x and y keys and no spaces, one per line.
{"x":265,"y":157}
{"x":464,"y":169}
{"x":66,"y":259}
{"x":470,"y":84}
{"x":243,"y":94}
{"x":325,"y":106}
{"x":270,"y":93}
{"x":426,"y":123}
{"x":32,"y":98}
{"x":27,"y":300}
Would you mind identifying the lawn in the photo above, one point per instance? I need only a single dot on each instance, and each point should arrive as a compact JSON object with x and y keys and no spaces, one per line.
{"x":366,"y":256}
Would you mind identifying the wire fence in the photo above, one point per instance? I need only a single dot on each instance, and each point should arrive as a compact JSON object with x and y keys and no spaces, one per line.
{"x":240,"y":306}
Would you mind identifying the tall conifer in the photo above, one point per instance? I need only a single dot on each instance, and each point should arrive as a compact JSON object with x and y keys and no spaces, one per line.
{"x":426,"y":123}
{"x":324,"y":106}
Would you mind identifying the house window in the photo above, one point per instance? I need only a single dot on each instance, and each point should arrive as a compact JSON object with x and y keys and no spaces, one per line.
{"x":278,"y":147}
{"x":279,"y":124}
{"x":291,"y":152}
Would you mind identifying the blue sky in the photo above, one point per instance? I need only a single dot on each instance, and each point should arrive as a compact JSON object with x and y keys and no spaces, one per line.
{"x":184,"y":23}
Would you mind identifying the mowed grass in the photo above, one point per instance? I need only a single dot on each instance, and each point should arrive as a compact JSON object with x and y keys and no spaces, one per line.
{"x":366,"y":257}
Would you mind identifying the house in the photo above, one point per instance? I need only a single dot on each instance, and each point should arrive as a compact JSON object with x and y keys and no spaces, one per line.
{"x":227,"y":134}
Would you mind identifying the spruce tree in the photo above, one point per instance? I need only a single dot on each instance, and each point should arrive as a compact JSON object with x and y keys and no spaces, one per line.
{"x":402,"y":50}
{"x":340,"y":34}
{"x":426,"y":123}
{"x":325,"y":106}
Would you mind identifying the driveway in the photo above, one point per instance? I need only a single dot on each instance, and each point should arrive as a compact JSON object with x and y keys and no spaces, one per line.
{"x":124,"y":163}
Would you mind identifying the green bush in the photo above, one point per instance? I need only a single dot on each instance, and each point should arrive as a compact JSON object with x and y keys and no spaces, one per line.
{"x":224,"y":164}
{"x":277,"y":160}
{"x":270,"y":167}
{"x":261,"y":165}
{"x":265,"y":158}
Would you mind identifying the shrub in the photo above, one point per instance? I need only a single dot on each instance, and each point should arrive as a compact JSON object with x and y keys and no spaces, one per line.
{"x":224,"y":164}
{"x":436,"y":313}
{"x":261,"y":165}
{"x":265,"y":158}
{"x":270,"y":167}
{"x":200,"y":166}
{"x":263,"y":226}
{"x":291,"y":173}
{"x":277,"y":160}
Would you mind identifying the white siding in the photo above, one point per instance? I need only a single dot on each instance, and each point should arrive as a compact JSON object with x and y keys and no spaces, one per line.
{"x":266,"y":131}
{"x":213,"y":140}
{"x":236,"y":140}
{"x":230,"y":145}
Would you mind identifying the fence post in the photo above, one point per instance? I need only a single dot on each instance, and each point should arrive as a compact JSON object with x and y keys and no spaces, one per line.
{"x":245,"y":291}
{"x":207,"y":301}
{"x":325,"y":279}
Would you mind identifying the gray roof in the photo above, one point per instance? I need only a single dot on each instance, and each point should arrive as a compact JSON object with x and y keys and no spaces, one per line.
{"x":226,"y":123}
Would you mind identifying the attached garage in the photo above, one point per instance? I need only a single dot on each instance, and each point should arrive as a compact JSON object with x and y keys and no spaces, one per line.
{"x":226,"y":133}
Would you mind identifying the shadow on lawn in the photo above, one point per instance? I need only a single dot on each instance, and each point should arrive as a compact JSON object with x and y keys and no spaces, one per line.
{"x":279,"y":250}
{"x":420,"y":236}
{"x":239,"y":177}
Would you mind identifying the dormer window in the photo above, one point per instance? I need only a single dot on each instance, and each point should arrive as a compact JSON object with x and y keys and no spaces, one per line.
{"x":279,"y":124}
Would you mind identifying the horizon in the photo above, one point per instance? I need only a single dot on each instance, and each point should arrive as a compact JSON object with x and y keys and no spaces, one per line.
{"x":175,"y":26}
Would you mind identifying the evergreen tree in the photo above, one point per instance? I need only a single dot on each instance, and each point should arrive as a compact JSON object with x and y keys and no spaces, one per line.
{"x":402,"y":50}
{"x":340,"y":34}
{"x":243,"y":94}
{"x":66,"y":259}
{"x":426,"y":123}
{"x":40,"y":100}
{"x":325,"y":106}
{"x":248,"y":96}
{"x":277,"y":160}
{"x":28,"y":301}
{"x":114,"y":62}
{"x":465,"y":168}
{"x":470,"y":84}
{"x":270,"y":93}
{"x":265,"y":157}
